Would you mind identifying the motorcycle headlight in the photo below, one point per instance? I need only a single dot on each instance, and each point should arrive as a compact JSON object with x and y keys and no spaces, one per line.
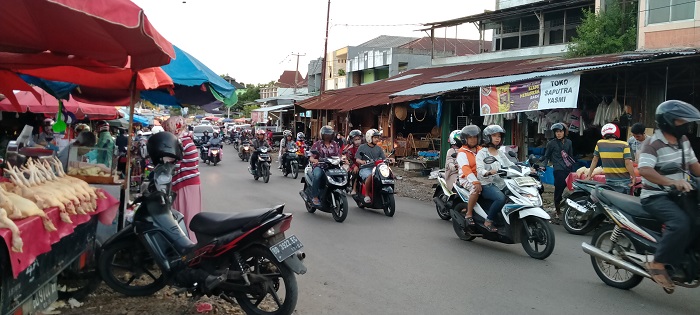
{"x":384,"y":170}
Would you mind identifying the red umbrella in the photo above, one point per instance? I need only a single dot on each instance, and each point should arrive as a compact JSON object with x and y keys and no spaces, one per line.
{"x":49,"y":105}
{"x":114,"y":32}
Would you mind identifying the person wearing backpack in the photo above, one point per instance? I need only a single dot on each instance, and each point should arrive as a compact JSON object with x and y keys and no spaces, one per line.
{"x":559,"y":151}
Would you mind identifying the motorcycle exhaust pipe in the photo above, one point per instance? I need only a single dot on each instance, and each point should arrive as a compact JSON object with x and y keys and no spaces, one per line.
{"x":301,"y":255}
{"x":438,"y":201}
{"x":615,"y":261}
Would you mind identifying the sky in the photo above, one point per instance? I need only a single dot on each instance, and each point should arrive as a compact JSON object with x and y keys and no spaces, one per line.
{"x":252,"y":41}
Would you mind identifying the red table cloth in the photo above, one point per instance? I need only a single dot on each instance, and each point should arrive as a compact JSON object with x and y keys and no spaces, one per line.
{"x":38,"y":241}
{"x":598,"y":178}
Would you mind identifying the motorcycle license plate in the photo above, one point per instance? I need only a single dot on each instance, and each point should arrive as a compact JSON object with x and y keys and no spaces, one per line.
{"x":576,"y":206}
{"x":286,"y":248}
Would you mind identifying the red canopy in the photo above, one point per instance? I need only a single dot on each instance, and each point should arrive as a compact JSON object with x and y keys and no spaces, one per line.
{"x":114,"y":32}
{"x":49,"y":105}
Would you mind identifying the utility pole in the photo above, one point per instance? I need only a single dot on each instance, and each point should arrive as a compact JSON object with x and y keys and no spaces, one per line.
{"x":325,"y":51}
{"x":296,"y":75}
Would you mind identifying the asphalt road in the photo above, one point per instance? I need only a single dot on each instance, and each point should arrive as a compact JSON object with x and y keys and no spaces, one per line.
{"x":413,"y":263}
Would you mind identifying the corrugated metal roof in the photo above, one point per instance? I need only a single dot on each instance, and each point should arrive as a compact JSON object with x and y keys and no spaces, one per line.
{"x":273,"y":108}
{"x":386,"y":41}
{"x":455,"y":77}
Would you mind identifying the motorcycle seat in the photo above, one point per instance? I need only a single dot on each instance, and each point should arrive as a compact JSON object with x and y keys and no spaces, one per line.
{"x":626,"y":203}
{"x":214,"y":223}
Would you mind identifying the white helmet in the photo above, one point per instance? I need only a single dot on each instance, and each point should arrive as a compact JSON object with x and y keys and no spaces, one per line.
{"x":372,"y":133}
{"x":454,"y":135}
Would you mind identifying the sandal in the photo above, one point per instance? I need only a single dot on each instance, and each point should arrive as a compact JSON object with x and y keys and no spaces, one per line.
{"x":470,"y":220}
{"x":660,"y":276}
{"x":489,"y":227}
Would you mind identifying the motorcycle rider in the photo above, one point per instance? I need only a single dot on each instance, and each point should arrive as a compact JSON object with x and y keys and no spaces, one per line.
{"x":466,"y":162}
{"x":492,"y":186}
{"x":205,"y":137}
{"x":373,"y":152}
{"x":451,"y":165}
{"x":323,"y":148}
{"x":558,"y":151}
{"x":301,"y":153}
{"x":286,"y":140}
{"x":258,"y":142}
{"x":350,"y":150}
{"x":668,"y":145}
{"x":616,"y":159}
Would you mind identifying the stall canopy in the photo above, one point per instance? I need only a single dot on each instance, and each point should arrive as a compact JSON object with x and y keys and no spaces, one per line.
{"x":137,"y":118}
{"x":195,"y":84}
{"x":49,"y":105}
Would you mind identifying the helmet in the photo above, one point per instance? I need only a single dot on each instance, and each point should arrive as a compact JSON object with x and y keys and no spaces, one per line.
{"x":164,"y":144}
{"x":372,"y":133}
{"x":260,"y":132}
{"x":86,"y":139}
{"x":48,"y":122}
{"x":558,"y":126}
{"x":206,"y":132}
{"x":82,"y":127}
{"x":354,"y":133}
{"x":668,"y":111}
{"x":493,"y":129}
{"x":287,"y":133}
{"x":102,"y":125}
{"x":454,"y":138}
{"x":610,"y":130}
{"x":326,"y":131}
{"x":469,"y":131}
{"x":300,"y":136}
{"x":215,"y":134}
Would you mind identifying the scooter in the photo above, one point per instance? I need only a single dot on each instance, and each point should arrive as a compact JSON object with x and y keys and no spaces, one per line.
{"x":215,"y":154}
{"x":620,"y":250}
{"x":382,"y":193}
{"x":332,"y":194}
{"x":262,"y":167}
{"x":242,"y":256}
{"x":245,"y":151}
{"x":291,"y":165}
{"x":522,"y":220}
{"x":580,"y":216}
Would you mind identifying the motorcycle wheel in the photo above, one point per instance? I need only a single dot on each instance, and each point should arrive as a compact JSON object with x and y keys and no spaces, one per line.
{"x":443,"y":213}
{"x":295,"y":170}
{"x":340,"y":213}
{"x":611,"y":275}
{"x":216,"y":162}
{"x":256,"y":174}
{"x":574,"y":226}
{"x":266,"y":172}
{"x":542,"y":235}
{"x":280,"y":279}
{"x":389,"y":206}
{"x":136,"y":266}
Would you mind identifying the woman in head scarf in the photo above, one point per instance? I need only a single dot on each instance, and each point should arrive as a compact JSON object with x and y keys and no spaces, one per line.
{"x":186,"y":179}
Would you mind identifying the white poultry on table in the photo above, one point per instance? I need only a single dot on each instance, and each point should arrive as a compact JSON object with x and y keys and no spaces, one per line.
{"x":19,"y":208}
{"x":63,"y":192}
{"x":78,"y":183}
{"x":44,"y":199}
{"x":5,"y":222}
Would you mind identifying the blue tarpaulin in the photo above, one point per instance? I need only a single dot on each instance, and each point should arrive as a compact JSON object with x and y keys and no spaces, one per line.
{"x":437,"y":102}
{"x":137,"y":118}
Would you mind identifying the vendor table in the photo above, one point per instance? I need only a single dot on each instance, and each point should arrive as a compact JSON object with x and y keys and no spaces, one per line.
{"x":38,"y":241}
{"x":598,"y":178}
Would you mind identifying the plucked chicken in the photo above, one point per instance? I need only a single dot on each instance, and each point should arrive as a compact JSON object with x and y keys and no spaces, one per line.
{"x":19,"y":208}
{"x":5,"y":222}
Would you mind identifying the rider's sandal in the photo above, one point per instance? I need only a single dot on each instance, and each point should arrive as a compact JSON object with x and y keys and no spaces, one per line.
{"x":470,"y":220}
{"x":490,"y":227}
{"x":660,"y":276}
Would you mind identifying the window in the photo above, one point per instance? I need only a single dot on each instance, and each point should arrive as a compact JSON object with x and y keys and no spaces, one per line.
{"x":662,"y":11}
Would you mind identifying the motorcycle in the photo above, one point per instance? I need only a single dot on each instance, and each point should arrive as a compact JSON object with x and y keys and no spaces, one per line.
{"x":382,"y":193}
{"x":242,"y":258}
{"x":245,"y":151}
{"x":620,"y":250}
{"x":580,"y":215}
{"x":291,"y":165}
{"x":262,"y":166}
{"x":521,"y":220}
{"x":332,"y":194}
{"x":228,"y":139}
{"x":215,"y":154}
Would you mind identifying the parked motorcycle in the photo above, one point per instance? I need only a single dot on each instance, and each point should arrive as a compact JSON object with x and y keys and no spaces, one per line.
{"x":382,"y":193}
{"x":332,"y":194}
{"x":580,"y":215}
{"x":245,"y":151}
{"x":291,"y":164}
{"x":215,"y":154}
{"x":243,"y":256}
{"x":262,"y":166}
{"x":522,"y":220}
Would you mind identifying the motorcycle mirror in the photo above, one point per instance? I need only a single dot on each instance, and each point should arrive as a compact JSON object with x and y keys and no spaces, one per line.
{"x":669,"y":169}
{"x":512,"y":153}
{"x":489,"y":160}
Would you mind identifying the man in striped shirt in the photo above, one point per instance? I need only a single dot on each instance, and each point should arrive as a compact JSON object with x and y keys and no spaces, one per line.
{"x":616,"y":159}
{"x":669,"y":148}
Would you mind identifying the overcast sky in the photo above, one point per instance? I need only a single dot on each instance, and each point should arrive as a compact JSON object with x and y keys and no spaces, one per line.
{"x":252,"y":40}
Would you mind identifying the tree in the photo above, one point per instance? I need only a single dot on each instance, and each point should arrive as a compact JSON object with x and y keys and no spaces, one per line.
{"x":613,"y":30}
{"x":249,"y":108}
{"x":251,"y":94}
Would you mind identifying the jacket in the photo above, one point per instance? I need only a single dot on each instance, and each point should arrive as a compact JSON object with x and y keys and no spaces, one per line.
{"x":466,"y":158}
{"x":553,"y":154}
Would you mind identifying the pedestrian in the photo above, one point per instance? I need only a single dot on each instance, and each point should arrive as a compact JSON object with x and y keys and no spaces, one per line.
{"x":616,"y":160}
{"x":340,"y":139}
{"x":105,"y":144}
{"x":186,"y":182}
{"x":635,"y":141}
{"x":559,"y":151}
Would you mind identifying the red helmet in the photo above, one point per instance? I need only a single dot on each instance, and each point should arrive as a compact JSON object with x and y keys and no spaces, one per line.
{"x":610,"y":130}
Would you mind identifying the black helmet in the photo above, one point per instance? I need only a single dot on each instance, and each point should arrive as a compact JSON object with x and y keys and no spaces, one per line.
{"x":469,"y":131}
{"x":164,"y":144}
{"x":558,"y":126}
{"x":353,"y":134}
{"x":668,"y":111}
{"x":493,"y":129}
{"x":326,"y":131}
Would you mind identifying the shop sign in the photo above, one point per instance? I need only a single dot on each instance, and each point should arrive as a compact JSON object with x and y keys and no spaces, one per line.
{"x":545,"y":93}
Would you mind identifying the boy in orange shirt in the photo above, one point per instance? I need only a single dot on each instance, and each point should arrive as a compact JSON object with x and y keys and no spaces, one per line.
{"x":466,"y":159}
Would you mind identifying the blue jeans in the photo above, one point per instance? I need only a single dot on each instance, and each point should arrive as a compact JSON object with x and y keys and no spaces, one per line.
{"x":491,"y":192}
{"x":318,"y":180}
{"x":621,"y":186}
